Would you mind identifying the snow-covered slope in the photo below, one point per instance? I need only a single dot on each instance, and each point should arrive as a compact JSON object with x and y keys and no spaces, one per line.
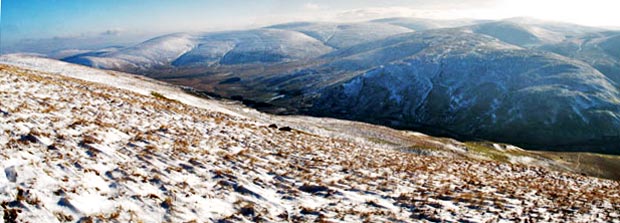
{"x":530,"y":32}
{"x":275,"y":44}
{"x":134,"y":83}
{"x":420,"y":24}
{"x":517,"y":34}
{"x":159,"y":51}
{"x":75,"y":150}
{"x":204,"y":50}
{"x":341,"y":35}
{"x":254,"y":46}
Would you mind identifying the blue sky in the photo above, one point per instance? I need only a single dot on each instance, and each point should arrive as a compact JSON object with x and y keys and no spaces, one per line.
{"x":25,"y":21}
{"x":60,"y":18}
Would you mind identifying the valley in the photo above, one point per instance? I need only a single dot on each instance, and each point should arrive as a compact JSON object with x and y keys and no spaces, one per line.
{"x":465,"y":79}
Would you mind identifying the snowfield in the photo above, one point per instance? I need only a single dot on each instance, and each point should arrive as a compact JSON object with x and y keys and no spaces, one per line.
{"x":79,"y":144}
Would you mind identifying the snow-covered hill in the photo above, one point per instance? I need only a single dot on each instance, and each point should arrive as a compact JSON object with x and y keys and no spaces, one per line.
{"x":341,"y":35}
{"x":80,"y":144}
{"x":274,"y":44}
{"x":421,"y":24}
{"x":153,"y":53}
{"x":255,"y":46}
{"x":524,"y":32}
{"x":528,"y":32}
{"x":204,"y":50}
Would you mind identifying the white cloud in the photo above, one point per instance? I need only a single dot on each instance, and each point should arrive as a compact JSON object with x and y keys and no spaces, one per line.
{"x":364,"y":14}
{"x":591,"y":12}
{"x":375,"y":13}
{"x":312,"y":6}
{"x":111,"y":32}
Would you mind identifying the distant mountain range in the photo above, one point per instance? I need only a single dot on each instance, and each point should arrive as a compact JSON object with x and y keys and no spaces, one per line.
{"x":533,"y":83}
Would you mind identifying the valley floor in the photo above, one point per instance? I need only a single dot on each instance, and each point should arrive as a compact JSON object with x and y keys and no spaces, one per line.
{"x":73,"y":150}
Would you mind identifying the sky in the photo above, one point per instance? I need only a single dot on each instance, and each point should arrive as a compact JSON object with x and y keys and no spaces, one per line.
{"x":120,"y":21}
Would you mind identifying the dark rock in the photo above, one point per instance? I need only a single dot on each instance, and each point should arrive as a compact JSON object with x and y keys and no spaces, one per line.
{"x":285,"y":129}
{"x":187,"y":167}
{"x":11,"y":173}
{"x":66,"y":203}
{"x":10,"y":215}
{"x":52,"y":147}
{"x":166,"y":204}
{"x":313,"y":188}
{"x":243,"y":190}
{"x":374,"y":204}
{"x":247,"y":210}
{"x":28,"y":138}
{"x":309,"y":211}
{"x":87,"y":219}
{"x":231,"y":80}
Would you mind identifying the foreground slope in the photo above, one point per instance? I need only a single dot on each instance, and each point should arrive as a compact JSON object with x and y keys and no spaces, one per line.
{"x":77,"y":150}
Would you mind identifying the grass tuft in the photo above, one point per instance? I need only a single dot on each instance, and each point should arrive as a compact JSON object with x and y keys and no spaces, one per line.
{"x":487,"y":151}
{"x":161,"y":96}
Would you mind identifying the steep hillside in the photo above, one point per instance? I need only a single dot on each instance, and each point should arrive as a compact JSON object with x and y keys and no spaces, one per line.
{"x":598,"y":49}
{"x":81,"y":151}
{"x":473,"y":86}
